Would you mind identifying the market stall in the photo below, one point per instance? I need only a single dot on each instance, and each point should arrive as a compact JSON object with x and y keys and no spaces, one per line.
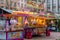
{"x":21,"y":16}
{"x":51,"y":21}
{"x":37,"y":24}
{"x":31,"y":24}
{"x":10,"y":32}
{"x":3,"y":24}
{"x":13,"y":31}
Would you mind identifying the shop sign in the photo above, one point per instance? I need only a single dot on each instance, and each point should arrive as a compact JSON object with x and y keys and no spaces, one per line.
{"x":50,"y":15}
{"x":21,"y":12}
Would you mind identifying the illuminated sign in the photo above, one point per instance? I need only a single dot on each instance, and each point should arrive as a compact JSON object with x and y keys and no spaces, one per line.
{"x":21,"y":12}
{"x":34,"y":5}
{"x":38,"y":20}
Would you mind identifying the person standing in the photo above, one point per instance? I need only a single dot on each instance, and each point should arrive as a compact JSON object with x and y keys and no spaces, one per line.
{"x":13,"y":22}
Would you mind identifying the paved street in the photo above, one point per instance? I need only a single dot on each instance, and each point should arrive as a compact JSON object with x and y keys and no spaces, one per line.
{"x":53,"y":36}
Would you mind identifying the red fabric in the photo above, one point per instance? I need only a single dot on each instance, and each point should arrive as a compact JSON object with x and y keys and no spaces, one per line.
{"x":48,"y":33}
{"x":29,"y":35}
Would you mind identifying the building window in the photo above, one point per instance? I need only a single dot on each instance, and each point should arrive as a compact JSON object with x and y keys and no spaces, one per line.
{"x":59,"y":2}
{"x":18,"y":3}
{"x":54,"y":5}
{"x":15,"y":4}
{"x":2,"y":1}
{"x":25,"y":5}
{"x":2,"y":6}
{"x":24,"y":0}
{"x":11,"y":3}
{"x":14,"y":8}
{"x":6,"y":7}
{"x":48,"y":1}
{"x":39,"y":0}
{"x":48,"y":5}
{"x":58,"y":6}
{"x":54,"y":2}
{"x":54,"y":9}
{"x":22,"y":5}
{"x":21,"y":0}
{"x":48,"y":8}
{"x":59,"y":10}
{"x":34,"y":0}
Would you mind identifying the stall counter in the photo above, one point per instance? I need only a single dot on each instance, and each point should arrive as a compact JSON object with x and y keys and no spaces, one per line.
{"x":12,"y":35}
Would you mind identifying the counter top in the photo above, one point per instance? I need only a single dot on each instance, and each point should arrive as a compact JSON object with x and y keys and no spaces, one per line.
{"x":12,"y":30}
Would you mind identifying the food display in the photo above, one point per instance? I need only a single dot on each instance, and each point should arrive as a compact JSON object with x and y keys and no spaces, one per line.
{"x":21,"y":22}
{"x":36,"y":21}
{"x":14,"y":31}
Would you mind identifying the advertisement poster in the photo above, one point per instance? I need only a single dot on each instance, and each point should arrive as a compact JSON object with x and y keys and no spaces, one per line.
{"x":14,"y":35}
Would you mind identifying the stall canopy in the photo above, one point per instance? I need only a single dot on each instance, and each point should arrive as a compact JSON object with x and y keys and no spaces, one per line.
{"x":5,"y":11}
{"x":57,"y":16}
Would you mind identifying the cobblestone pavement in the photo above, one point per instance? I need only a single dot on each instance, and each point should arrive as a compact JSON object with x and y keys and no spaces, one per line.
{"x":53,"y":36}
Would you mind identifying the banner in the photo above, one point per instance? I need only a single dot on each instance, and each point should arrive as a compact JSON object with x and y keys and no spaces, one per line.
{"x":34,"y":5}
{"x":22,"y":12}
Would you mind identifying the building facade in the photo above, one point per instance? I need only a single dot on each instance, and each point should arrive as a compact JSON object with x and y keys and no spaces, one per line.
{"x":52,"y":5}
{"x":11,"y":4}
{"x":49,"y":5}
{"x":3,"y":3}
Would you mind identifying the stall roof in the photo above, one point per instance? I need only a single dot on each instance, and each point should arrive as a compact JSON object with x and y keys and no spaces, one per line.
{"x":5,"y":11}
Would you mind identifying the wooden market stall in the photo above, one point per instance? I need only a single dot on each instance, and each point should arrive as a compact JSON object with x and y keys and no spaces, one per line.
{"x":32,"y":24}
{"x":5,"y":28}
